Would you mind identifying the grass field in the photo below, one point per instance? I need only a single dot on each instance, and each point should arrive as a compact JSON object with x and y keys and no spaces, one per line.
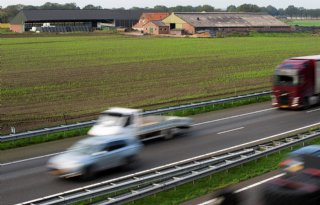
{"x":304,"y":22}
{"x":47,"y":81}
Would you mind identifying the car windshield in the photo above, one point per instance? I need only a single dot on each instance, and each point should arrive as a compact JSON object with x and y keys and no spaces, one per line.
{"x":112,"y":119}
{"x":84,"y":148}
{"x":285,"y":80}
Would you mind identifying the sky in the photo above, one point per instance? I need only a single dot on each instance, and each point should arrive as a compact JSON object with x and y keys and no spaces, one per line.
{"x":308,"y":4}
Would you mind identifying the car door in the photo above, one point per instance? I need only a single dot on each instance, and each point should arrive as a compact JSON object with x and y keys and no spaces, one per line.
{"x":114,"y":154}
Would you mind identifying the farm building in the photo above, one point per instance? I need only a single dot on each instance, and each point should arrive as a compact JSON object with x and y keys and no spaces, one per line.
{"x":147,"y":17}
{"x":156,"y":27}
{"x":193,"y":22}
{"x":73,"y":20}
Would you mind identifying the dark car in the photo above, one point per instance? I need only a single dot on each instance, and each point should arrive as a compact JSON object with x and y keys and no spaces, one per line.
{"x":295,"y":160}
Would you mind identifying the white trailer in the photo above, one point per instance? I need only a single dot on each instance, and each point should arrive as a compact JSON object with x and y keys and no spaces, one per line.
{"x":124,"y":120}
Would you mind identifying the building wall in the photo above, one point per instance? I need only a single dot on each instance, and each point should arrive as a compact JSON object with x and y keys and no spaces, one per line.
{"x":151,"y":28}
{"x":189,"y":29}
{"x":173,"y":19}
{"x":164,"y":29}
{"x":18,"y":28}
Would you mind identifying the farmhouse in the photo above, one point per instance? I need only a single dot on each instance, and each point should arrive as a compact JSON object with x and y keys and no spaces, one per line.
{"x":193,"y":22}
{"x":156,"y":27}
{"x":147,"y":17}
{"x":73,"y":20}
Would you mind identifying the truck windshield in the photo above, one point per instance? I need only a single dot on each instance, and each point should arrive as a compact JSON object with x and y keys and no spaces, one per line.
{"x":112,"y":119}
{"x":285,"y":80}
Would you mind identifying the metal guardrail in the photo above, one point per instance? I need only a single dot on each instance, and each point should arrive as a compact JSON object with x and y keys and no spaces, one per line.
{"x":141,"y":184}
{"x":61,"y":128}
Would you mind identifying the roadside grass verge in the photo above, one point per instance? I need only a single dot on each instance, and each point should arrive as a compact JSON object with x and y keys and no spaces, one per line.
{"x":83,"y":131}
{"x":43,"y":138}
{"x":209,"y":108}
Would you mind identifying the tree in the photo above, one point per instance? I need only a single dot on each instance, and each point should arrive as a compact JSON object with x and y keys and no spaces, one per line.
{"x":90,"y":6}
{"x":232,"y":8}
{"x":13,"y":10}
{"x":248,"y":8}
{"x":161,"y":8}
{"x":302,"y":12}
{"x":50,"y":5}
{"x":206,"y":8}
{"x":135,"y":8}
{"x":292,"y":11}
{"x":29,"y":7}
{"x":272,"y":10}
{"x":3,"y":16}
{"x":281,"y":12}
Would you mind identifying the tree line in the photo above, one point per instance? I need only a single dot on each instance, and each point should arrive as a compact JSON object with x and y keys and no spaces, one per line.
{"x":7,"y":13}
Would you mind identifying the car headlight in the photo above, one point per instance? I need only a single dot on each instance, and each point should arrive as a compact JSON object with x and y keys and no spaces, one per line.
{"x":72,"y":165}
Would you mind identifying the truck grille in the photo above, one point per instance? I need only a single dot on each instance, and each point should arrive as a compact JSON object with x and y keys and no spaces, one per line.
{"x":284,"y":99}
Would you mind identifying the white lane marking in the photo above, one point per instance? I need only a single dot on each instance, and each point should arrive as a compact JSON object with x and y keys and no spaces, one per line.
{"x":259,"y":183}
{"x":235,"y":129}
{"x":313,"y":110}
{"x":29,"y":159}
{"x":202,"y":123}
{"x":235,"y":116}
{"x":213,"y":201}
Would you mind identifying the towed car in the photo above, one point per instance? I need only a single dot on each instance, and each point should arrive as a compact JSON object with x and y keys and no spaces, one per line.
{"x":94,"y":154}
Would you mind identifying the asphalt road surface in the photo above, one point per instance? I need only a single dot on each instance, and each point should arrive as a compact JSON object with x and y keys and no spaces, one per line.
{"x":23,"y":174}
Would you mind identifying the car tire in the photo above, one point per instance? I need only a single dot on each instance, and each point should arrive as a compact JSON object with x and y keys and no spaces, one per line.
{"x":88,"y":173}
{"x":131,"y":162}
{"x":277,"y":195}
{"x":168,"y":134}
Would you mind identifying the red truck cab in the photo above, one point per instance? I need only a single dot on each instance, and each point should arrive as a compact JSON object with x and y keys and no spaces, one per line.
{"x":296,"y":83}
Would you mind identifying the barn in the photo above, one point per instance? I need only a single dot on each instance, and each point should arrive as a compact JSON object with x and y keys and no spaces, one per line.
{"x":193,"y":22}
{"x":73,"y":20}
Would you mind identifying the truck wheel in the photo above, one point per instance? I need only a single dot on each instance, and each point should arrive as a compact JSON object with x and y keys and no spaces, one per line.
{"x":168,"y":134}
{"x":306,"y":103}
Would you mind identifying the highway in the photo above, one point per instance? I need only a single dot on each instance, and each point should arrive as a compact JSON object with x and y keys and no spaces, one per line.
{"x":27,"y":179}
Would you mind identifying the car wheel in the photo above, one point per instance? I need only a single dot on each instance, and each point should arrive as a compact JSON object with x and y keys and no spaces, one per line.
{"x":88,"y":173}
{"x":168,"y":134}
{"x":131,"y":162}
{"x":277,"y":195}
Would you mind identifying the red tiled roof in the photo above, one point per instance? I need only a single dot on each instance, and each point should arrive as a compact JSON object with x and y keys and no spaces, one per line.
{"x":147,"y":17}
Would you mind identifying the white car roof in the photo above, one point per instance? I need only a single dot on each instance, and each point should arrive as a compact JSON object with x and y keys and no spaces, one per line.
{"x":315,"y":57}
{"x":121,"y":110}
